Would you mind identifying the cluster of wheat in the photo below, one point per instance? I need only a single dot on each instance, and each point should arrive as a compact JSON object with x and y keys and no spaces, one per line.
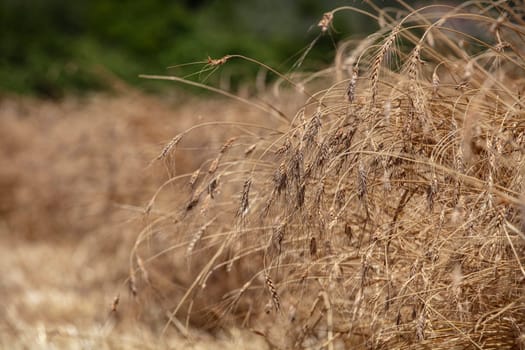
{"x":385,"y":213}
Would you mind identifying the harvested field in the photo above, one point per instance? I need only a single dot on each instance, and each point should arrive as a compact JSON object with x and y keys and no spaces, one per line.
{"x":74,"y":180}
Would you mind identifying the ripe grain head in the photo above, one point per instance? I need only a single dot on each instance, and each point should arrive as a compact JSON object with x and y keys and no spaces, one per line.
{"x":400,"y":196}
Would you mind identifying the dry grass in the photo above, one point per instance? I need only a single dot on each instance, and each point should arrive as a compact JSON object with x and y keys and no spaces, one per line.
{"x":384,"y":212}
{"x":377,"y":203}
{"x":74,"y":180}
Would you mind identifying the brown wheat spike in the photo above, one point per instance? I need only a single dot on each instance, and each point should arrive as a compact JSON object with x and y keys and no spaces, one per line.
{"x":227,"y":144}
{"x":325,"y":22}
{"x":415,"y":58}
{"x":340,"y":197}
{"x":250,"y":149}
{"x":114,"y":304}
{"x":435,"y":82}
{"x":197,"y":236}
{"x":284,"y":147}
{"x":308,"y":170}
{"x":278,"y":236}
{"x":350,"y":91}
{"x":319,"y":192}
{"x":322,"y":155}
{"x":142,"y":268}
{"x":174,"y":141}
{"x":205,"y":205}
{"x":194,"y":177}
{"x":420,"y":326}
{"x":313,"y":247}
{"x":361,"y":181}
{"x":376,"y":66}
{"x":300,"y":195}
{"x":194,"y":200}
{"x":312,"y":129}
{"x":218,"y":61}
{"x":432,"y":191}
{"x":212,"y":186}
{"x":273,"y":292}
{"x":214,"y":164}
{"x":280,"y":178}
{"x":348,"y":232}
{"x":132,"y":282}
{"x":245,"y":204}
{"x":295,"y":167}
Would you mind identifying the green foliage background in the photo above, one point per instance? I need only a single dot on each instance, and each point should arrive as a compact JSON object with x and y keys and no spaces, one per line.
{"x":54,"y":47}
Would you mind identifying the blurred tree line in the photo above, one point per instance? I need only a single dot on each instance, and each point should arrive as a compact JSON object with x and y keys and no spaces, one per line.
{"x":54,"y":47}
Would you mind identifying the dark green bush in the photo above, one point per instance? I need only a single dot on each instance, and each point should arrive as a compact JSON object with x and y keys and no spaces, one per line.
{"x":51,"y":47}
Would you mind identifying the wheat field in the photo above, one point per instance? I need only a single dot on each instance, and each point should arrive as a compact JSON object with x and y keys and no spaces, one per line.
{"x":373,"y":204}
